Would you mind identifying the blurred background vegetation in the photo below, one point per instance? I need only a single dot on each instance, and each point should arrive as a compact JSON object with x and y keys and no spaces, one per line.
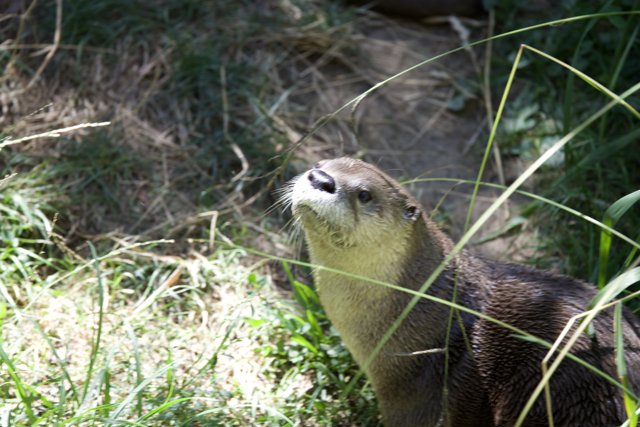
{"x":105,"y":320}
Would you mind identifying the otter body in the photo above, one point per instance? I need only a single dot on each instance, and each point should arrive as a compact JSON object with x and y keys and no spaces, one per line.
{"x":358,"y":220}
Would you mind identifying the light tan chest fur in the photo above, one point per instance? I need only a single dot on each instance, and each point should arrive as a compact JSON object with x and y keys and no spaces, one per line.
{"x":358,"y":309}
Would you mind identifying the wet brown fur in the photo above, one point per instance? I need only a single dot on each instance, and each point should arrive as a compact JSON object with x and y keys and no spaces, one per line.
{"x":491,"y":374}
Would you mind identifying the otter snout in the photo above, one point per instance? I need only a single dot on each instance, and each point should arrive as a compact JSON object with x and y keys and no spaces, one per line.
{"x":322,"y":181}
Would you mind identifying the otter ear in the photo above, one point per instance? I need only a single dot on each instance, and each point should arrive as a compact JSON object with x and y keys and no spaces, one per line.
{"x":411,"y":212}
{"x":319,"y":164}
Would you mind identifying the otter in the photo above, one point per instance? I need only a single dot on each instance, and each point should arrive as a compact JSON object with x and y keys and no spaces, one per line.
{"x":470,"y":371}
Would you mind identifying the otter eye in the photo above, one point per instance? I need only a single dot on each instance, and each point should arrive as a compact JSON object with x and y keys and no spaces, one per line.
{"x":411,"y":212}
{"x":364,"y":196}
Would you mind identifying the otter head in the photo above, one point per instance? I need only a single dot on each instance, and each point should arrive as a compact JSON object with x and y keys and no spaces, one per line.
{"x":347,"y":206}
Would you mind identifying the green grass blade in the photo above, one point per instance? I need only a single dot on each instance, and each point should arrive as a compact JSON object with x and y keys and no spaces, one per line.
{"x":353,"y":103}
{"x":567,"y":106}
{"x":106,"y":393}
{"x":485,"y":217}
{"x":634,"y":243}
{"x":589,"y":80}
{"x":621,"y":366}
{"x":22,"y":390}
{"x":161,"y":408}
{"x":136,"y":353}
{"x":615,"y":287}
{"x":3,"y":315}
{"x":619,"y":208}
{"x":623,"y":281}
{"x":169,"y":378}
{"x":422,"y":295}
{"x":492,"y":136}
{"x":611,"y":217}
{"x":633,"y":420}
{"x":133,"y":393}
{"x":96,"y":344}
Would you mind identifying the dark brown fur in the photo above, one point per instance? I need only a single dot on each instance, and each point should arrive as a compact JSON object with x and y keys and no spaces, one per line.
{"x":491,"y":374}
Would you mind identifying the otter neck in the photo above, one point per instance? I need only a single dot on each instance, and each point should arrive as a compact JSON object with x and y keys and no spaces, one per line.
{"x":362,"y":311}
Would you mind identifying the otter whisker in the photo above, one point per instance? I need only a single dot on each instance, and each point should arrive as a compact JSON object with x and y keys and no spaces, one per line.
{"x":283,"y":197}
{"x":283,"y":201}
{"x":421,"y":352}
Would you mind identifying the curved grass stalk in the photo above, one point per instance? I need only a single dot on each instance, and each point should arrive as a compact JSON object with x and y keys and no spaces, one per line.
{"x":355,"y":102}
{"x":95,"y":348}
{"x":568,"y":99}
{"x":621,"y":365}
{"x":487,"y":214}
{"x":492,"y":136}
{"x":89,"y":263}
{"x":590,"y":80}
{"x":539,"y":198}
{"x":51,"y":134}
{"x":630,"y":276}
{"x":483,"y":164}
{"x":611,"y":216}
{"x":421,"y":295}
{"x":503,"y":101}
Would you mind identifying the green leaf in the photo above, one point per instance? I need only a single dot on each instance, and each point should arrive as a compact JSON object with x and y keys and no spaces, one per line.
{"x":23,"y":392}
{"x":457,"y":103}
{"x":162,"y":408}
{"x":616,"y":286}
{"x":611,"y":217}
{"x":254,"y":322}
{"x":304,"y":342}
{"x":620,"y":207}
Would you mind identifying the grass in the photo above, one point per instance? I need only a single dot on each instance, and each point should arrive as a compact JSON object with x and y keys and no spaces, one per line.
{"x":131,"y":291}
{"x":597,"y":164}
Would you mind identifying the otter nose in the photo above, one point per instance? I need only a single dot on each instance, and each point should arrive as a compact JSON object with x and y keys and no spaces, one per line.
{"x":322,"y":181}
